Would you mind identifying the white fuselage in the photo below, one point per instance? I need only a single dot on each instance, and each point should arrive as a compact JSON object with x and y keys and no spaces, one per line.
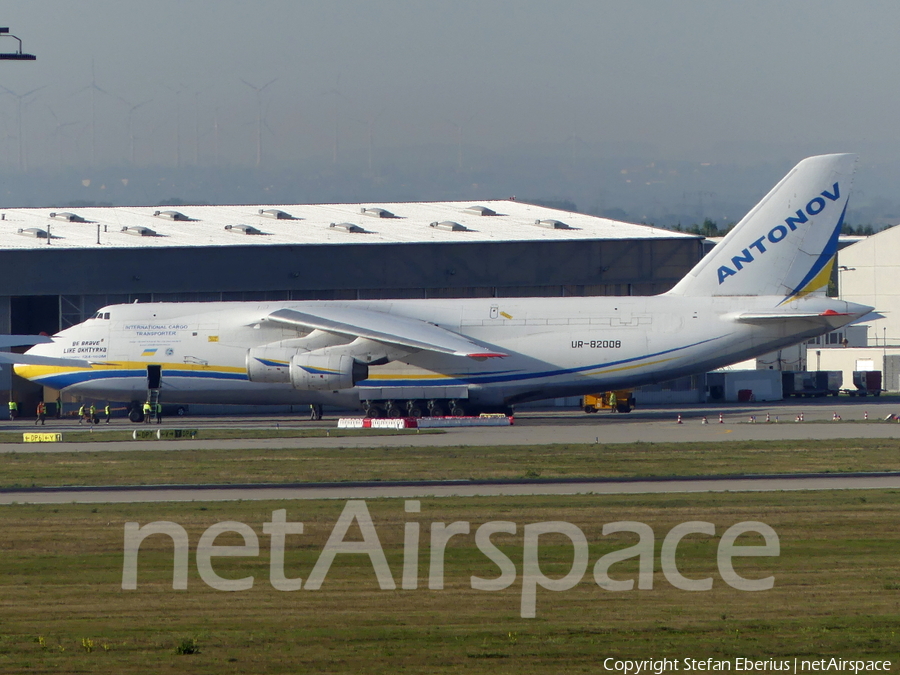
{"x":555,"y":347}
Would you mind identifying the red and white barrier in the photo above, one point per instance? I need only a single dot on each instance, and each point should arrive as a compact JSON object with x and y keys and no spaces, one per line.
{"x":424,"y":422}
{"x":481,"y":421}
{"x":381,"y":423}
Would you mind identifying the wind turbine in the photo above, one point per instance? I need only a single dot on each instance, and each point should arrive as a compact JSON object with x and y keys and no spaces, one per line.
{"x":336,"y":95}
{"x":370,"y":124}
{"x":131,"y":111}
{"x":197,"y":128}
{"x":259,"y":116}
{"x":23,"y":165}
{"x":94,"y":88}
{"x":177,"y":93}
{"x":58,"y":133}
{"x":459,"y":128}
{"x":8,"y":137}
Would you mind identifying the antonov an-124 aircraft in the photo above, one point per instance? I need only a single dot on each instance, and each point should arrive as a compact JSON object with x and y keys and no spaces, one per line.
{"x":760,"y":289}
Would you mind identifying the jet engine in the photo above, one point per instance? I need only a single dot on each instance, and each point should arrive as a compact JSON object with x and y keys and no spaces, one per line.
{"x":271,"y":363}
{"x":323,"y":370}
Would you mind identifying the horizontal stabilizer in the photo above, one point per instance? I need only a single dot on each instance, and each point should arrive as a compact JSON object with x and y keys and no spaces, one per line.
{"x":770,"y":317}
{"x":384,"y":327}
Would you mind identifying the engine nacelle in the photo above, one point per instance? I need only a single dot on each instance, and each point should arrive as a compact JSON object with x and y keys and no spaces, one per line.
{"x":272,"y":362}
{"x":269,"y":364}
{"x":322,"y":370}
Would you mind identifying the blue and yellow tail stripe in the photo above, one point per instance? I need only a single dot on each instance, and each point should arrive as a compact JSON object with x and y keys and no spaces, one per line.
{"x":820,"y":272}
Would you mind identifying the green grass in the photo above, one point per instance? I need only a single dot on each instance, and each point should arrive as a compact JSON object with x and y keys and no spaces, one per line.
{"x":837,"y":590}
{"x":452,"y":463}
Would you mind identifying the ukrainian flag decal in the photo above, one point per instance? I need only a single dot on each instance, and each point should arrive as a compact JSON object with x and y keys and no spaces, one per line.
{"x":149,"y":352}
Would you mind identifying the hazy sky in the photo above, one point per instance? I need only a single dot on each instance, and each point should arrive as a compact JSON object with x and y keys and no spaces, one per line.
{"x":694,"y":80}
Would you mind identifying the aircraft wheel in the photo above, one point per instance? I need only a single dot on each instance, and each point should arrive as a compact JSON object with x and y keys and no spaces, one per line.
{"x":136,"y":416}
{"x":374,"y":412}
{"x":394,"y":412}
{"x":415,"y":410}
{"x":458,"y":411}
{"x":436,"y":409}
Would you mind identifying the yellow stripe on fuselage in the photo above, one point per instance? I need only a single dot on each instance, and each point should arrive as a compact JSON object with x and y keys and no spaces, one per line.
{"x":604,"y":371}
{"x":31,"y":372}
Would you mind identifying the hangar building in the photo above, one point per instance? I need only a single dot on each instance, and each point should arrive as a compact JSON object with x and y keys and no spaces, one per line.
{"x":868,"y":275}
{"x":59,"y":266}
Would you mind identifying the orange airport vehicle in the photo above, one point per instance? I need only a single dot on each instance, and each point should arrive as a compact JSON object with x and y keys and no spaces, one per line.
{"x":624,"y":401}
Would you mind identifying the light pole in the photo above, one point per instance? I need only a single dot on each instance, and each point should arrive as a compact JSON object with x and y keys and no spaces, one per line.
{"x":841,"y":270}
{"x":16,"y":55}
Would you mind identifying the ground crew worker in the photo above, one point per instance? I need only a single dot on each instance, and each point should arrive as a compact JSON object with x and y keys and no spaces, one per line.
{"x":613,"y":402}
{"x":93,"y":418}
{"x":13,"y":410}
{"x":81,"y":414}
{"x":159,"y":413}
{"x":108,"y":412}
{"x":59,"y":406}
{"x":148,"y":410}
{"x":41,"y":413}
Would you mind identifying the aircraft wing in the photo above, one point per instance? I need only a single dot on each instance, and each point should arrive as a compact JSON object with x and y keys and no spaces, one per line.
{"x":383,"y":327}
{"x":22,"y":340}
{"x":36,"y":360}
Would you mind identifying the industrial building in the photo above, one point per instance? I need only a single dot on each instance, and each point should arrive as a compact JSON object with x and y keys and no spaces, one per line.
{"x":61,"y":265}
{"x":867,"y":274}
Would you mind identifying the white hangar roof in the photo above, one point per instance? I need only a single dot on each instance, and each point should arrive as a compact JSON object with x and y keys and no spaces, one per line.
{"x":307,"y":224}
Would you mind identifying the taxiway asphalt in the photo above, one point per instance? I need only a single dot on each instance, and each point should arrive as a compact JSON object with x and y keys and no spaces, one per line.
{"x":405,"y":490}
{"x":655,"y":425}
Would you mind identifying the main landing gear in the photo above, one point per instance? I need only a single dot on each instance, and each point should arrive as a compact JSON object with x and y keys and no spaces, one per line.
{"x":438,"y":407}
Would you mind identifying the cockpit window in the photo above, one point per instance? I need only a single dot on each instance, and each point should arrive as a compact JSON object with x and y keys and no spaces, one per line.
{"x":101,"y":315}
{"x":106,"y":315}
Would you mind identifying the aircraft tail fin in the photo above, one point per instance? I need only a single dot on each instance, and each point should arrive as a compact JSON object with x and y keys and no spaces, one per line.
{"x":785,"y":246}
